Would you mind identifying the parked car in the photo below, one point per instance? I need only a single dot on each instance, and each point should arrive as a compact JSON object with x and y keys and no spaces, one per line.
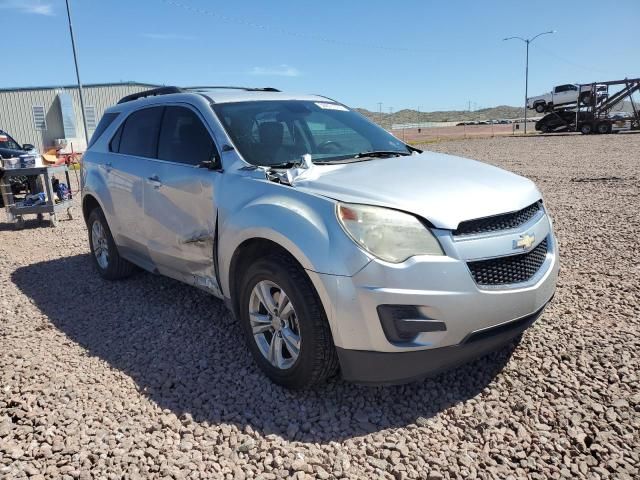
{"x":564,"y":95}
{"x":334,"y":244}
{"x":9,"y":148}
{"x":561,"y":121}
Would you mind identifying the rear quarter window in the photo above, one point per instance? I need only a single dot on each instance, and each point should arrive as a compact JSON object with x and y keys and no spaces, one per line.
{"x":106,"y":120}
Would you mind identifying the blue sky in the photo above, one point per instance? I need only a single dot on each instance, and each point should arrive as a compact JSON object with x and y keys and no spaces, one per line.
{"x":405,"y":53}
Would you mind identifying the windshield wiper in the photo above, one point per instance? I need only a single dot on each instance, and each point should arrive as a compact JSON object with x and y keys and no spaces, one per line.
{"x":380,"y":153}
{"x":360,"y":157}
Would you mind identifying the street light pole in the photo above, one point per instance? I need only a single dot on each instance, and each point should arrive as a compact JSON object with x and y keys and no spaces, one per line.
{"x":75,"y":60}
{"x":526,"y":88}
{"x":527,"y":41}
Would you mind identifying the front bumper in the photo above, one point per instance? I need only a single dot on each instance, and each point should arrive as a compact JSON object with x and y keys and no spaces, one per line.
{"x":377,"y":368}
{"x":444,"y":291}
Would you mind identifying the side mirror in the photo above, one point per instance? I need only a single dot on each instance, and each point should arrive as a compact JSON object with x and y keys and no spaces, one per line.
{"x":28,"y":146}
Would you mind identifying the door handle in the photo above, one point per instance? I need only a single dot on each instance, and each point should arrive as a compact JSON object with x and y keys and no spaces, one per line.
{"x":155,"y":181}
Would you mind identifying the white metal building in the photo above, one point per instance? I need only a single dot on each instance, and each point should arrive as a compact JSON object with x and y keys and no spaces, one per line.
{"x":43,"y":115}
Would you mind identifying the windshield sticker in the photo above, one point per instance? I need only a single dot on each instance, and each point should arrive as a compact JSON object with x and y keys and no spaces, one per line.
{"x":4,"y":138}
{"x":331,"y":106}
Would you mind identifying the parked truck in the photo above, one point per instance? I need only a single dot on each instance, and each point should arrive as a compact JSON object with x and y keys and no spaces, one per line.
{"x":600,"y":114}
{"x":563,"y":95}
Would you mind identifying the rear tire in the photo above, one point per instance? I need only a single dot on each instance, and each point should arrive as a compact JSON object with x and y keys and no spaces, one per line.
{"x":585,"y":99}
{"x":269,"y":280}
{"x":104,"y":252}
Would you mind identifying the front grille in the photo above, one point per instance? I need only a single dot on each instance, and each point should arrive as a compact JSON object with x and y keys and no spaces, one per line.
{"x":504,"y":221}
{"x":512,"y":269}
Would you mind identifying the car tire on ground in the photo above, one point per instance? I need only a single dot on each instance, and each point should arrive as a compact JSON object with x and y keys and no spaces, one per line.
{"x":109,"y":263}
{"x":586,"y":128}
{"x":284,"y":323}
{"x":540,"y":108}
{"x":603,"y":127}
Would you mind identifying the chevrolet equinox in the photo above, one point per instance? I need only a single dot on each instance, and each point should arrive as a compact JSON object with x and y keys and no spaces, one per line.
{"x":335,"y":245}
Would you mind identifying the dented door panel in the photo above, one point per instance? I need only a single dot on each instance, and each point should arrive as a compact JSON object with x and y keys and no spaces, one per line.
{"x":180,"y":216}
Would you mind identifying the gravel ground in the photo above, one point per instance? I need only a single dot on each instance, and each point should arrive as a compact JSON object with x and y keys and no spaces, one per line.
{"x":149,"y":378}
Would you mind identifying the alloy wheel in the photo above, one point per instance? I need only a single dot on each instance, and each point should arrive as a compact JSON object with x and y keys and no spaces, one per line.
{"x":274,"y":324}
{"x":100,"y":244}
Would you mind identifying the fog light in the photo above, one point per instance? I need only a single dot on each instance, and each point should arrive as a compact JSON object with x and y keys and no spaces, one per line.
{"x":403,"y":323}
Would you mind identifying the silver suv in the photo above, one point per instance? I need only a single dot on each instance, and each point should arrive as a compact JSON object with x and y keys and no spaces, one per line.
{"x":334,"y":244}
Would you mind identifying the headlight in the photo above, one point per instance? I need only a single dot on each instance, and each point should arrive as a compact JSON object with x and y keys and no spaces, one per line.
{"x":388,"y":234}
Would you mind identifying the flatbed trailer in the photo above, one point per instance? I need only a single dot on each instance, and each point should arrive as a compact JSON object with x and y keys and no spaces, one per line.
{"x":595,"y":114}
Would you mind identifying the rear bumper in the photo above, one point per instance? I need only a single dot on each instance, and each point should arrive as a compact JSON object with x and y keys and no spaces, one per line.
{"x":374,"y":368}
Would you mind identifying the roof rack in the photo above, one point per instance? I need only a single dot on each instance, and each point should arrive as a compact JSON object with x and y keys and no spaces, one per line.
{"x":168,"y":90}
{"x":151,"y":93}
{"x":224,"y":87}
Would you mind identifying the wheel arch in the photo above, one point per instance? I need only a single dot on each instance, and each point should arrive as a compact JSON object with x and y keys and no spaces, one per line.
{"x":244,"y":255}
{"x":304,"y":228}
{"x":89,"y":203}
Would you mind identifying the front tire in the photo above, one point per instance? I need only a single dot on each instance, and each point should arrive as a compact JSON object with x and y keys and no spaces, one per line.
{"x":603,"y":128}
{"x":540,"y":108}
{"x":284,"y":323}
{"x":586,"y":129}
{"x":108,"y":262}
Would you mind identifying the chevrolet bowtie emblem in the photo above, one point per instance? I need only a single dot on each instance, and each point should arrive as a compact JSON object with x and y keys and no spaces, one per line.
{"x":525,"y":241}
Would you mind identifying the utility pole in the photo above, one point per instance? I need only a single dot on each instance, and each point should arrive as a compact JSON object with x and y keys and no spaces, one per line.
{"x":75,"y":60}
{"x":380,"y":113}
{"x":527,"y":41}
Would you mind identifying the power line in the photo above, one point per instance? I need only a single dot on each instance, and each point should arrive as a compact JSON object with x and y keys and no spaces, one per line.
{"x":290,"y":33}
{"x":570,"y":62}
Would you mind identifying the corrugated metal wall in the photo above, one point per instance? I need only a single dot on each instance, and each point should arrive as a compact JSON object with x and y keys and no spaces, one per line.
{"x":16,"y":114}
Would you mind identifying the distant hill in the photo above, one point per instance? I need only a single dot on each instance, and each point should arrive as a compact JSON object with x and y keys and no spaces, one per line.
{"x":493,"y":113}
{"x":413,"y":116}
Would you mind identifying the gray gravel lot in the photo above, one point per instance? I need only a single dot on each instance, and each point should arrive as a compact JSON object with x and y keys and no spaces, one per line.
{"x":150,"y":378}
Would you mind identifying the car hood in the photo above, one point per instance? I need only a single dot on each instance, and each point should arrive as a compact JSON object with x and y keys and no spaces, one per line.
{"x":443,"y":189}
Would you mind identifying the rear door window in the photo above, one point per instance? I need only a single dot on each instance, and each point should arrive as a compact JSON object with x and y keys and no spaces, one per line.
{"x":140,"y":133}
{"x":184,"y":138}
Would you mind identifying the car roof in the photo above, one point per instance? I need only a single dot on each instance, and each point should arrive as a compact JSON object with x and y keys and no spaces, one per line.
{"x":214,"y":95}
{"x":230,"y":95}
